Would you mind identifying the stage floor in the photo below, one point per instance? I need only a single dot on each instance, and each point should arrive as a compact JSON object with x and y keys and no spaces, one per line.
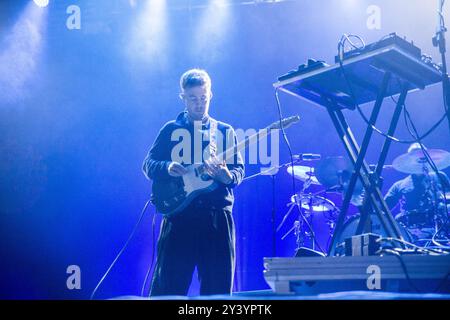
{"x":269,"y":295}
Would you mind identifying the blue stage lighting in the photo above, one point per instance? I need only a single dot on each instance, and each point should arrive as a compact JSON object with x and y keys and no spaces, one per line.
{"x":41,"y":3}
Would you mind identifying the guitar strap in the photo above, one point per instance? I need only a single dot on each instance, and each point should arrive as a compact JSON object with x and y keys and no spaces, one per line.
{"x":212,"y":137}
{"x":213,"y":152}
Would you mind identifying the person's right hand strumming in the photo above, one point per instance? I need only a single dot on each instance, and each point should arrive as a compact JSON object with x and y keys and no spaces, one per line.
{"x":175,"y":169}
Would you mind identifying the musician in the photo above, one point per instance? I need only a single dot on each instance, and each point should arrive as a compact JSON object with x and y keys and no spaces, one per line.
{"x":202,"y":235}
{"x":418,"y":192}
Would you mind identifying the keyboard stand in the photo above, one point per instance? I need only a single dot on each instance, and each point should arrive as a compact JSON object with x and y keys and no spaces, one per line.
{"x":373,"y":76}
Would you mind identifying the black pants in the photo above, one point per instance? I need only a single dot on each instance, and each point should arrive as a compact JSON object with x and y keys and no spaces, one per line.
{"x":197,"y":237}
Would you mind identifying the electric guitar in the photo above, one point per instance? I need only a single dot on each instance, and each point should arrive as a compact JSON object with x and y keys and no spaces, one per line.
{"x":172,"y":195}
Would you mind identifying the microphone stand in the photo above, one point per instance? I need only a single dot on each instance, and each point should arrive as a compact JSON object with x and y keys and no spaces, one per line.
{"x":272,"y":172}
{"x":439,"y":41}
{"x":274,"y":238}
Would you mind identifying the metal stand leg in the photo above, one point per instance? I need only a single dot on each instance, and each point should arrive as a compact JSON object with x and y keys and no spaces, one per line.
{"x":374,"y":198}
{"x":381,"y":160}
{"x":298,"y":228}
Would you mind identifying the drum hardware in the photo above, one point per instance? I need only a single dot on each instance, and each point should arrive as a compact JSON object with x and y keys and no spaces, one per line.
{"x":308,"y":206}
{"x":423,"y":224}
{"x":272,"y":171}
{"x":417,"y":219}
{"x":334,"y":173}
{"x":391,"y":62}
{"x":304,"y":173}
{"x":302,"y":227}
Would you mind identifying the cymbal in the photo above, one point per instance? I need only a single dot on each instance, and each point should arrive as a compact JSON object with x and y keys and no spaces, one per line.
{"x":314,"y":203}
{"x":334,"y":173}
{"x":331,"y":170}
{"x":414,"y":162}
{"x":303,"y":173}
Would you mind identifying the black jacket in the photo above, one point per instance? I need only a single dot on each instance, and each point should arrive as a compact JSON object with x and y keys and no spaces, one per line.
{"x":160,"y":155}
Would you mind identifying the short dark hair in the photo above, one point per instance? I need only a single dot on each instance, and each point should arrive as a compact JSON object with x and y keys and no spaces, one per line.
{"x":194,"y":78}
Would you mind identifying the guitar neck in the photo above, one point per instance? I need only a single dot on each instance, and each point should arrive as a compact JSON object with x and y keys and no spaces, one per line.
{"x":232,"y":151}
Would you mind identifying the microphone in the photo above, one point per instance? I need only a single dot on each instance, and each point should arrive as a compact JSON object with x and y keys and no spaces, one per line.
{"x":307,"y":156}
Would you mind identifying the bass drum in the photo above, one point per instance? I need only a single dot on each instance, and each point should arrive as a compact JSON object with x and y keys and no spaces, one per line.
{"x":351,"y":225}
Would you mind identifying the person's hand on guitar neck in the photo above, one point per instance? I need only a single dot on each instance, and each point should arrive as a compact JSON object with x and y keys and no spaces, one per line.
{"x":218,"y":170}
{"x":176,"y":169}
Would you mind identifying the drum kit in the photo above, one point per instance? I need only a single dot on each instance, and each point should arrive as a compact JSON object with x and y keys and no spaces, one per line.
{"x":423,"y":224}
{"x":332,"y":175}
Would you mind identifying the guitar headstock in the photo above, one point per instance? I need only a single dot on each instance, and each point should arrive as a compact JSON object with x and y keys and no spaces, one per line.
{"x":286,"y":123}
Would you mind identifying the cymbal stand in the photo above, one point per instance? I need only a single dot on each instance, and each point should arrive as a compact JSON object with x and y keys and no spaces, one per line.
{"x":433,"y":192}
{"x":272,"y":172}
{"x":299,"y":230}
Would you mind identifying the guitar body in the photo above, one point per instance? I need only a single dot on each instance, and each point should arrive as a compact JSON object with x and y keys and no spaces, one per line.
{"x":172,"y":195}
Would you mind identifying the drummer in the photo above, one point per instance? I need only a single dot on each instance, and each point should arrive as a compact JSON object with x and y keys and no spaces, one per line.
{"x":417,"y":191}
